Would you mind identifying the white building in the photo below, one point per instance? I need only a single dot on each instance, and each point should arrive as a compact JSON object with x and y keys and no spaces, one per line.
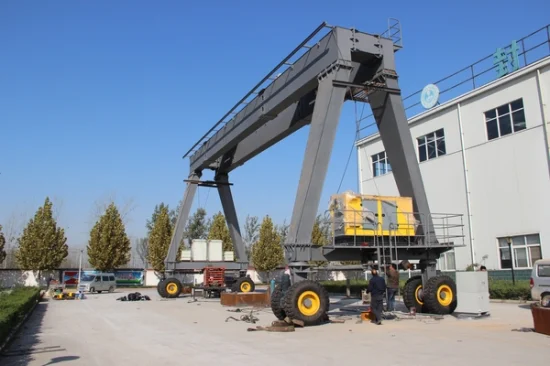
{"x":485,"y":155}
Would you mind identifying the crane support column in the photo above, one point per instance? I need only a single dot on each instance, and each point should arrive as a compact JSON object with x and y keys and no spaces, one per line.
{"x":324,"y":123}
{"x":183,"y":215}
{"x":389,"y":113}
{"x":230,"y":214}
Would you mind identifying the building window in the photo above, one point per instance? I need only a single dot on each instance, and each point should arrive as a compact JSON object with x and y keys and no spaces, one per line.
{"x":431,"y":146}
{"x":380,"y":164}
{"x":526,"y":249}
{"x":446,"y":261}
{"x":505,"y":119}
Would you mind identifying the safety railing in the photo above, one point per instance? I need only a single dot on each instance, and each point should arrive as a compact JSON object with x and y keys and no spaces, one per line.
{"x":518,"y":54}
{"x":352,"y":228}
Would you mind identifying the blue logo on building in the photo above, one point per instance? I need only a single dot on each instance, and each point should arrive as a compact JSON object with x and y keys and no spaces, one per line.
{"x":429,"y":96}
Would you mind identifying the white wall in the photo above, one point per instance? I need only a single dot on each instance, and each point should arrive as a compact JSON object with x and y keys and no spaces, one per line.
{"x":508,"y":177}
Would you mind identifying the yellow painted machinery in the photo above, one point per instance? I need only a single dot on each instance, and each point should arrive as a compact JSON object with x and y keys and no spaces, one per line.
{"x":355,"y":215}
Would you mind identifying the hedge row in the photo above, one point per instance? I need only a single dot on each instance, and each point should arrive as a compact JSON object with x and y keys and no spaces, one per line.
{"x":498,"y":289}
{"x":14,"y":306}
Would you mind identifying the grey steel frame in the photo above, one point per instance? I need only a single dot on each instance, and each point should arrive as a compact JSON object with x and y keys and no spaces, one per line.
{"x":345,"y":64}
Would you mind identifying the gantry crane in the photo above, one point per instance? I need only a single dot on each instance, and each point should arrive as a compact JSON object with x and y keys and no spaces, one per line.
{"x":344,"y":64}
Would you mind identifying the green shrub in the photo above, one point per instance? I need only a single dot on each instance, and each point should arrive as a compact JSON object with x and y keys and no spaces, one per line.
{"x":506,"y":290}
{"x":13,"y":307}
{"x":498,"y":289}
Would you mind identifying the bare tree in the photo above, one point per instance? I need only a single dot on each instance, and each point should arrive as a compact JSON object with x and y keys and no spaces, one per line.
{"x":12,"y":230}
{"x":100,"y":206}
{"x":57,"y":207}
{"x":142,"y":248}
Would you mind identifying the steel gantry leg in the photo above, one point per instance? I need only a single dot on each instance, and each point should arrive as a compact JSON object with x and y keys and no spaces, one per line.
{"x":181,"y":221}
{"x":396,"y":136}
{"x":326,"y":114}
{"x":230,"y":214}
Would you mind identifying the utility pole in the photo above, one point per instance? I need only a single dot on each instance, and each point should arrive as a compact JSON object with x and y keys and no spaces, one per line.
{"x":79,"y":266}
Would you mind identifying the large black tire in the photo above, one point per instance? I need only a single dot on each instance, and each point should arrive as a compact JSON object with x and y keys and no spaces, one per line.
{"x":243,"y":284}
{"x":412,"y":294}
{"x":277,"y":303}
{"x":296,"y":307}
{"x":172,"y":287}
{"x":160,"y":289}
{"x":440,"y":295}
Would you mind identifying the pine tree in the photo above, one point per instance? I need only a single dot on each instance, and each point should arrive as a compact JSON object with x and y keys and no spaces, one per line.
{"x":2,"y":245}
{"x":159,"y":239}
{"x":197,"y":228}
{"x":43,"y":245}
{"x":109,"y":247}
{"x":267,"y":252}
{"x":173,"y":216}
{"x":220,"y":231}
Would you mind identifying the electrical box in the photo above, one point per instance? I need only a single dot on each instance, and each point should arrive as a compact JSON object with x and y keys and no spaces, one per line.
{"x":472,"y":292}
{"x":185,"y":255}
{"x":228,"y":256}
{"x":215,"y":250}
{"x":199,"y":250}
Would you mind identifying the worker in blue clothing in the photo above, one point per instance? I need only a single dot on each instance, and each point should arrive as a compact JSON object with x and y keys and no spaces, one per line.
{"x":377,"y":289}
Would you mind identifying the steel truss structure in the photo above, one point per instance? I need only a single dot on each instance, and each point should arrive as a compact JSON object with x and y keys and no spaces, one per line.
{"x":345,"y":64}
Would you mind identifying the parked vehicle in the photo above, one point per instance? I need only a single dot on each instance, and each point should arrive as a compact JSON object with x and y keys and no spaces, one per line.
{"x":540,"y":282}
{"x":98,"y":282}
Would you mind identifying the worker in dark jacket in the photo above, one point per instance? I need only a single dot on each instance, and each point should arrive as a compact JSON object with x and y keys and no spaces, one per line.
{"x":377,"y":289}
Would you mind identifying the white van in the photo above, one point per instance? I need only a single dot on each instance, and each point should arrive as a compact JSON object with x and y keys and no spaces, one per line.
{"x":540,"y":282}
{"x":97,"y":282}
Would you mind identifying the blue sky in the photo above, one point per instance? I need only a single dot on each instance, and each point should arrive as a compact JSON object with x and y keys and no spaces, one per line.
{"x":102,"y":98}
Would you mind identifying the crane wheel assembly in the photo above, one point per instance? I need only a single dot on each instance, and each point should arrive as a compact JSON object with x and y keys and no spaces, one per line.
{"x":243,"y":284}
{"x":172,"y":287}
{"x":307,"y":301}
{"x":277,"y":302}
{"x":437,"y":297}
{"x":412,"y":294}
{"x":169,"y":288}
{"x":440,"y":295}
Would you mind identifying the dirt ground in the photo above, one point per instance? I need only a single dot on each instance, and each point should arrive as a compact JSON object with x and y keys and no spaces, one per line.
{"x":102,"y":331}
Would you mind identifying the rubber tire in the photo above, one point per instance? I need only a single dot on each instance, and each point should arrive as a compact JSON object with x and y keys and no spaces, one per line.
{"x":290,"y":302}
{"x":408,"y":294}
{"x":170,"y":281}
{"x":160,"y":289}
{"x":240,"y":281}
{"x":277,"y":303}
{"x":431,"y":303}
{"x":92,"y":290}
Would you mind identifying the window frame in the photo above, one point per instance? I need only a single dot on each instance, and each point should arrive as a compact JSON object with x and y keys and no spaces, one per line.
{"x":424,"y":145}
{"x":510,"y":114}
{"x":444,"y":259}
{"x":517,"y":247}
{"x":379,"y":158}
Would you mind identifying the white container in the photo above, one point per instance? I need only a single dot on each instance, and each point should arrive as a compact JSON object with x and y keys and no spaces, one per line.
{"x":215,"y":250}
{"x":185,"y":255}
{"x":199,"y":250}
{"x":228,"y":256}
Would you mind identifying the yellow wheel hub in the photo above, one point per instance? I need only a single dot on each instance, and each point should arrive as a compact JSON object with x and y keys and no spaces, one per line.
{"x":172,"y":288}
{"x":444,"y":295}
{"x":309,"y":303}
{"x":245,"y":287}
{"x":417,"y":295}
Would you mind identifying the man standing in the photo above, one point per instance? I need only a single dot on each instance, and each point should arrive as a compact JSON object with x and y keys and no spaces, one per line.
{"x":377,"y":289}
{"x":393,"y":285}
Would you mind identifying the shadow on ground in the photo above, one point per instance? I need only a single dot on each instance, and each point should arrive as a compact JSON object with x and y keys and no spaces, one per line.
{"x":27,"y":343}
